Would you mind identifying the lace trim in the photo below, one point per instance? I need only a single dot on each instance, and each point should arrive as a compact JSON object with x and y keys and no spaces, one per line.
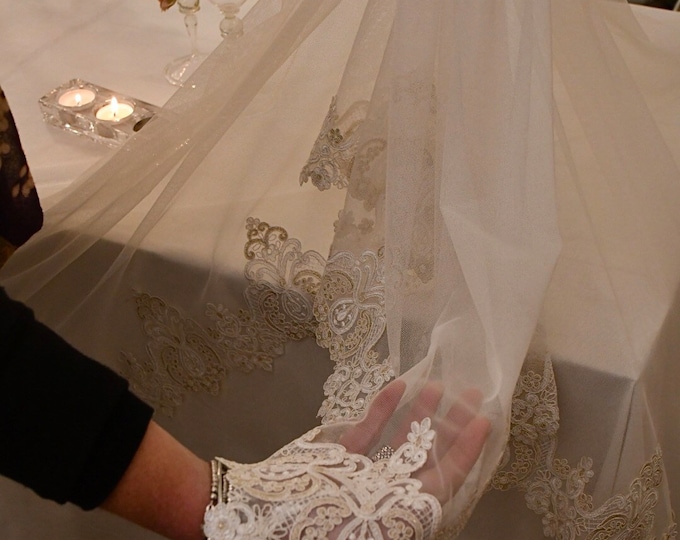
{"x":350,"y":309}
{"x":332,"y":157}
{"x":336,"y":155}
{"x":557,"y":491}
{"x":350,"y":305}
{"x":452,"y":531}
{"x":309,"y":489}
{"x":182,"y":356}
{"x":286,"y":299}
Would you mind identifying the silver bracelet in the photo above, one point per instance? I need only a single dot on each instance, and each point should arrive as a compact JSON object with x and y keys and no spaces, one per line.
{"x":220,"y":488}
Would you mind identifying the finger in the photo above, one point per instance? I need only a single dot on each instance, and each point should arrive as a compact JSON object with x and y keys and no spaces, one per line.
{"x":445,"y":478}
{"x":424,"y":406}
{"x":361,"y":437}
{"x":458,"y":416}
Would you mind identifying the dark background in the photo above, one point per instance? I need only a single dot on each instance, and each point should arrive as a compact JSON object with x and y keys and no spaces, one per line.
{"x":664,"y":4}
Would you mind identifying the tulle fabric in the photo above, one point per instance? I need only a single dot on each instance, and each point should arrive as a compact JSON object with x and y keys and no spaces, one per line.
{"x":505,"y":180}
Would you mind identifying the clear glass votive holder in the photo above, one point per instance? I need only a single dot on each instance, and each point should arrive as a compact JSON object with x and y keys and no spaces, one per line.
{"x":95,"y":112}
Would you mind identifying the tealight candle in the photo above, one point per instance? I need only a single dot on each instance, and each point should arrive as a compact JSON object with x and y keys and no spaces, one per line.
{"x":76,"y":98}
{"x":115,"y":111}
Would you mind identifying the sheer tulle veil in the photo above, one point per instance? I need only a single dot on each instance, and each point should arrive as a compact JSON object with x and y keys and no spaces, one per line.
{"x":356,"y":191}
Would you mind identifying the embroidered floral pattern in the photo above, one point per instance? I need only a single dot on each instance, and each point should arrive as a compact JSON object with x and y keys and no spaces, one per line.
{"x":332,"y":156}
{"x":350,"y":309}
{"x":350,"y":304}
{"x":184,"y":356}
{"x":556,"y":490}
{"x":180,"y":357}
{"x":286,"y":299}
{"x":346,"y":226}
{"x":535,"y":419}
{"x":308,"y":489}
{"x":337,"y":155}
{"x":283,"y":278}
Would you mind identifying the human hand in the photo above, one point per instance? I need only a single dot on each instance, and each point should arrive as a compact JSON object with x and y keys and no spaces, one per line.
{"x":461,"y":434}
{"x":324,"y":489}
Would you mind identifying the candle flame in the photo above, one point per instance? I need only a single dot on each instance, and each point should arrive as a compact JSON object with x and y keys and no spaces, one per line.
{"x":114,"y":106}
{"x":79,"y":99}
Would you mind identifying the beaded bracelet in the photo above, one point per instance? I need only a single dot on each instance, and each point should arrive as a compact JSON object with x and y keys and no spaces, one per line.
{"x":220,"y":488}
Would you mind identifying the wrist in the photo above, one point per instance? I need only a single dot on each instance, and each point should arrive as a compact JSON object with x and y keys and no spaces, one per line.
{"x":165,"y":489}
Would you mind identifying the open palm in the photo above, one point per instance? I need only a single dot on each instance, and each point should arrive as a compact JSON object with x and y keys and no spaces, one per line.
{"x":461,"y":434}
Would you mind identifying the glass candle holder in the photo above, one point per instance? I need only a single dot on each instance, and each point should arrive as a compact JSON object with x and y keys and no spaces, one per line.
{"x":97,"y":113}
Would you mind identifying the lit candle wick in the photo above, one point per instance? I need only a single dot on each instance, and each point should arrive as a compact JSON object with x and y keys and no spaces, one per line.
{"x":78,"y":99}
{"x":115,"y":110}
{"x":114,"y":107}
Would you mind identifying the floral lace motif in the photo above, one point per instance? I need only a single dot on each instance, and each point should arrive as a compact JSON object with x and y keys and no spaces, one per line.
{"x":557,"y":491}
{"x":335,"y":155}
{"x":286,"y":299}
{"x":308,"y":489}
{"x":350,"y":304}
{"x":332,"y":156}
{"x":183,"y":356}
{"x":350,"y":309}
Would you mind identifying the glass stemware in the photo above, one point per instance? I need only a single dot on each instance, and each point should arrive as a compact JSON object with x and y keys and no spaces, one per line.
{"x":179,"y":70}
{"x":231,"y":26}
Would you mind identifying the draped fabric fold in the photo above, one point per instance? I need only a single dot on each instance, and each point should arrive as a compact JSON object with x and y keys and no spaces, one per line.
{"x":360,"y":191}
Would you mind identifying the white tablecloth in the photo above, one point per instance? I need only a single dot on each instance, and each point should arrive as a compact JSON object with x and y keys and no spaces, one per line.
{"x":123,"y":46}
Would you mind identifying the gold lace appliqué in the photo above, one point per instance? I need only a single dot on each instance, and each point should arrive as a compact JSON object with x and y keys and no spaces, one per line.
{"x":309,"y":489}
{"x":350,"y":304}
{"x":337,"y":155}
{"x":556,"y":490}
{"x":287,"y":299}
{"x":332,"y":156}
{"x":350,"y":309}
{"x":183,"y":356}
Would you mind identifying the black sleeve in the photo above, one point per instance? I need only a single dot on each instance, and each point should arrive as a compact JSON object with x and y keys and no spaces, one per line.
{"x":69,"y":426}
{"x":20,"y":212}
